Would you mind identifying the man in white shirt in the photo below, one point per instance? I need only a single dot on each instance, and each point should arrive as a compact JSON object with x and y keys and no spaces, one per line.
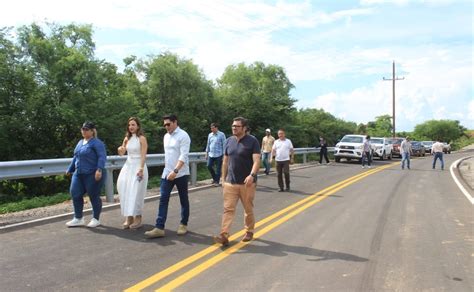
{"x":284,"y":155}
{"x":437,"y":151}
{"x":176,"y":172}
{"x":405,"y":151}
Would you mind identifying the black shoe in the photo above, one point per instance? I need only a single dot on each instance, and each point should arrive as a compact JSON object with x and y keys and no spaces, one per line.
{"x":281,"y":190}
{"x":288,"y":189}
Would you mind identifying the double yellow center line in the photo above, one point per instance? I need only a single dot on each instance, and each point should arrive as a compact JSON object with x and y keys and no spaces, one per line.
{"x":286,"y":213}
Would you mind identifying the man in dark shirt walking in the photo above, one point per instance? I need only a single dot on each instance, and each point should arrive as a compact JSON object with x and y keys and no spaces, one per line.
{"x":239,"y":170}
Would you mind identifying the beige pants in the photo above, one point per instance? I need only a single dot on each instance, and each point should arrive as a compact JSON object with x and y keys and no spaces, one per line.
{"x":232,"y":194}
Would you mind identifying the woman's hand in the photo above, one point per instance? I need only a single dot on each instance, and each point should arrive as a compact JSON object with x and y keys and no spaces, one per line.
{"x":121,"y":150}
{"x":98,"y":174}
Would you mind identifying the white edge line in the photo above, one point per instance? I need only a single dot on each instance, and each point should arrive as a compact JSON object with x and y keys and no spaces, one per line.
{"x":112,"y":205}
{"x":460,"y":186}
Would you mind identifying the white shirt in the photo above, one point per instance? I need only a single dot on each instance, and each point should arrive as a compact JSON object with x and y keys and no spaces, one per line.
{"x":282,"y":149}
{"x":176,"y":147}
{"x":406,"y":146}
{"x":437,"y":147}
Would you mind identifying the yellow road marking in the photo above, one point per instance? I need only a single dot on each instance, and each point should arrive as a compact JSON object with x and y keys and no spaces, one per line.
{"x":182,"y":264}
{"x":225,"y":253}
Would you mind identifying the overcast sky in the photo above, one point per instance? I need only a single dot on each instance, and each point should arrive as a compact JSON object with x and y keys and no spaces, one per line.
{"x":334,"y":52}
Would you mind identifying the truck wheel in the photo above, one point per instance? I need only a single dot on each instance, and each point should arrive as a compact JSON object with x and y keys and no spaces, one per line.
{"x":337,"y":159}
{"x":384,"y":156}
{"x":390,"y":156}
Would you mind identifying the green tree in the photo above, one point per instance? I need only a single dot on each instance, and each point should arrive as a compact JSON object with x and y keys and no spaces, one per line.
{"x":381,"y":127}
{"x":175,"y":85}
{"x":444,"y":130}
{"x":258,"y":92}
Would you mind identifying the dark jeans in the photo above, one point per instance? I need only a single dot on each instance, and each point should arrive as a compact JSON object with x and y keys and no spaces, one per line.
{"x":283,"y":167}
{"x":366,"y":156}
{"x":323,"y":152}
{"x":438,"y":155}
{"x":86,"y":183}
{"x":217,"y":161}
{"x":266,"y":163}
{"x":165,"y":190}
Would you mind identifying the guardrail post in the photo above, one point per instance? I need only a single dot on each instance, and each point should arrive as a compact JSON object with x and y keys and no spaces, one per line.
{"x":193,"y":173}
{"x":109,"y":186}
{"x":304,"y":158}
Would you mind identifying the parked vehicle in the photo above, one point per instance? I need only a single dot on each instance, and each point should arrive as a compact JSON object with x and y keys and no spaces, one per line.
{"x":418,"y":148}
{"x":395,"y":142}
{"x":350,"y":147}
{"x":427,"y":145}
{"x":382,"y":149}
{"x":446,"y":148}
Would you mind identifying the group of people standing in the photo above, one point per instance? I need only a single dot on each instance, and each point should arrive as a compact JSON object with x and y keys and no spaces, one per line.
{"x":406,"y":151}
{"x":237,"y":158}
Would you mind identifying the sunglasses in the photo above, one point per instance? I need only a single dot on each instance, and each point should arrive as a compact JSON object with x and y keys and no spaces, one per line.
{"x":237,"y":126}
{"x":85,"y":129}
{"x":167,"y":125}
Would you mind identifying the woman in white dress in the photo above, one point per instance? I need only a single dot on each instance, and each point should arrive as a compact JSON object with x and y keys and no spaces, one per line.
{"x":133,"y":178}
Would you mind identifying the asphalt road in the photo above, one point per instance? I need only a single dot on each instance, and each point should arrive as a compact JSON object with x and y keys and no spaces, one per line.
{"x":381,"y":229}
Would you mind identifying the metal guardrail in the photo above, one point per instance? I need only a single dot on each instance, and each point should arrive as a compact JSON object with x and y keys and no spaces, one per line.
{"x":46,"y":167}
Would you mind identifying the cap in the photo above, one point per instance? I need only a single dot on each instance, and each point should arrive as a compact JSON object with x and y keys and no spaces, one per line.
{"x":88,"y":125}
{"x":268,"y":130}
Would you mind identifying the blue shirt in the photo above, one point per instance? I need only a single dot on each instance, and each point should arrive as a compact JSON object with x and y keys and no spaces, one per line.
{"x":215,"y":144}
{"x":88,"y":157}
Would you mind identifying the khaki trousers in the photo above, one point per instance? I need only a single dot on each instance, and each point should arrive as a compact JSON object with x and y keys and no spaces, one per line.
{"x":232,"y":194}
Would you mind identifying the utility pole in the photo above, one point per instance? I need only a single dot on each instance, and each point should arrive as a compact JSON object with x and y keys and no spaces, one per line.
{"x":393,"y":95}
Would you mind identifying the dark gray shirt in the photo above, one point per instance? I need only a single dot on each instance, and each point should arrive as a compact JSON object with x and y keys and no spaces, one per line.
{"x":240,"y":160}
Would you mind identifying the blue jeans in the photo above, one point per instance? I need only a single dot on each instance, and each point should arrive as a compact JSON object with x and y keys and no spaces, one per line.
{"x":366,"y":156}
{"x":216,"y":175}
{"x":440,"y":156}
{"x":86,"y":183}
{"x":405,"y":156}
{"x":266,"y":164}
{"x":165,"y":189}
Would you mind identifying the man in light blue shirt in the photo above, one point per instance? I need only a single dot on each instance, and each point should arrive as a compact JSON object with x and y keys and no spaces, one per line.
{"x":176,"y":172}
{"x":215,"y":152}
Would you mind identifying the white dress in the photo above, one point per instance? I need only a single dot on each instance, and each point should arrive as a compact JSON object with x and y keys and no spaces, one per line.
{"x":131,"y":190}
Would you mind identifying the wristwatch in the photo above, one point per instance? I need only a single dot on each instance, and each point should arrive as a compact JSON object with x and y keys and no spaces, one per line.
{"x":175,"y":170}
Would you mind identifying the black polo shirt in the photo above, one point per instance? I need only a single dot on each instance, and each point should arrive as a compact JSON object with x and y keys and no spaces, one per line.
{"x":240,"y":159}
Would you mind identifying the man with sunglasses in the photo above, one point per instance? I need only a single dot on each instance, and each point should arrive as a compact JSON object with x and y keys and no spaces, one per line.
{"x":176,"y":143}
{"x":239,"y":170}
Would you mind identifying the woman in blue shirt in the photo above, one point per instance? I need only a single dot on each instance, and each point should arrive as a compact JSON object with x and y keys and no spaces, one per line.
{"x":87,"y":167}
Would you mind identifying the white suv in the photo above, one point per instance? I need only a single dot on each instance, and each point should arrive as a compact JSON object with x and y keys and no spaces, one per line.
{"x":382,"y":148}
{"x":350,"y":147}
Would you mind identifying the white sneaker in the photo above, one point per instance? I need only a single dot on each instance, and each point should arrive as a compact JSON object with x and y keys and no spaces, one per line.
{"x":93,"y":223}
{"x":363,"y":166}
{"x":75,"y":222}
{"x":369,"y":166}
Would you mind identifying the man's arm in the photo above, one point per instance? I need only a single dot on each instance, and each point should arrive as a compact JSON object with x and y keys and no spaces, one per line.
{"x":225,"y":164}
{"x":250,"y":179}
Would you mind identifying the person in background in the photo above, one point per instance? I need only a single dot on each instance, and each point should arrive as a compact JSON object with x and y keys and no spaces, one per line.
{"x":405,"y":151}
{"x":437,"y":151}
{"x":323,"y":151}
{"x":215,"y":152}
{"x":133,"y":178}
{"x":367,"y":152}
{"x":176,"y":172}
{"x":239,"y":168}
{"x":88,"y":175}
{"x":267,"y":145}
{"x":284,"y":155}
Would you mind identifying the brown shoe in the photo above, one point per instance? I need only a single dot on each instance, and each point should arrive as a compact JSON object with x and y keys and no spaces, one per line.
{"x":248,"y":236}
{"x":222,"y":239}
{"x":137,"y":222}
{"x":127,"y":222}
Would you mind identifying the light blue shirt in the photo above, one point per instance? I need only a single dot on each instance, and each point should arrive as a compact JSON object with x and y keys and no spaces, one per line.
{"x":176,"y":147}
{"x":215,"y":144}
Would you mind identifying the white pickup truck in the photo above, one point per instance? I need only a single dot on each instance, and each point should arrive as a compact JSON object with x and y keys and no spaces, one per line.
{"x":350,"y":147}
{"x":382,"y":149}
